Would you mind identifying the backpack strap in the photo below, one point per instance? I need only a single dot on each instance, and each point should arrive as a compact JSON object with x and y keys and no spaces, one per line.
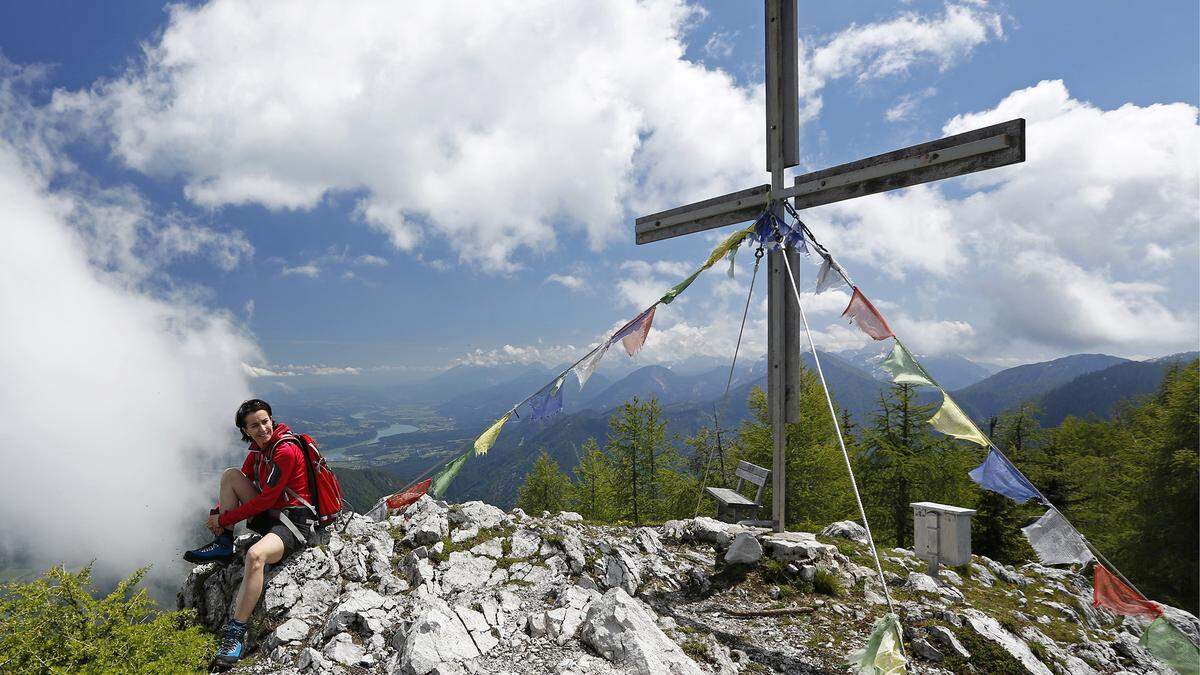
{"x":309,"y":474}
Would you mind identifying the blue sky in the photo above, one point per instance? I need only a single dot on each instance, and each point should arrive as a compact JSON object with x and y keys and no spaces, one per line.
{"x":354,"y":298}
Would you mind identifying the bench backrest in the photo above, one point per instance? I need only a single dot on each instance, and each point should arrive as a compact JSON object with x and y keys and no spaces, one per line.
{"x":755,"y":474}
{"x":752,"y":472}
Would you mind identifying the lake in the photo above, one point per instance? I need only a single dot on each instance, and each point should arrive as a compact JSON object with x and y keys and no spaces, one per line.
{"x":394,"y":430}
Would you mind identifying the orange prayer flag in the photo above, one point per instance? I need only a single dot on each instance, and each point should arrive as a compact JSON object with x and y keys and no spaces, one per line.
{"x":868,"y":319}
{"x":1112,"y":594}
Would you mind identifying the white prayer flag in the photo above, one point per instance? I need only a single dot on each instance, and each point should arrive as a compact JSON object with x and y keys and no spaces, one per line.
{"x":585,"y":368}
{"x":1055,"y":541}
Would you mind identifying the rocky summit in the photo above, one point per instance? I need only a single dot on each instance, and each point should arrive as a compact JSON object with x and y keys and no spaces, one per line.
{"x":467,"y":588}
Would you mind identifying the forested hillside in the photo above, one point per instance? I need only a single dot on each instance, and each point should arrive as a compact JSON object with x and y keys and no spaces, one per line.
{"x":1129,"y":483}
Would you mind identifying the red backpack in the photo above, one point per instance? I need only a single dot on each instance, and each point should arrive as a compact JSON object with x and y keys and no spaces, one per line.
{"x":322,"y":482}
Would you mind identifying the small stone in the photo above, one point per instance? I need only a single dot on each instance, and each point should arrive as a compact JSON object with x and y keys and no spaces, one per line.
{"x":774,"y":592}
{"x":925,"y":650}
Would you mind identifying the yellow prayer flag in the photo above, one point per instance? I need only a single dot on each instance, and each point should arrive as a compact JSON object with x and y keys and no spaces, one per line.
{"x":733,"y":240}
{"x":488,"y":438}
{"x":881,"y":655}
{"x":952,"y":421}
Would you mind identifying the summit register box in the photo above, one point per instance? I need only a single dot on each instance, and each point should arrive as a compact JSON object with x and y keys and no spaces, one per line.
{"x":942,"y":534}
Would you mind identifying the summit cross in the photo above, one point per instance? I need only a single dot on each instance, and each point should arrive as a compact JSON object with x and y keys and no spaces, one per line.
{"x":986,"y":148}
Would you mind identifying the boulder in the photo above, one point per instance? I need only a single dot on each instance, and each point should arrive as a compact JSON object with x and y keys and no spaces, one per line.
{"x":524,"y":544}
{"x":744,"y":549}
{"x":711,"y":530}
{"x":341,"y":649}
{"x":621,"y":571}
{"x":436,"y":637}
{"x":464,"y":571}
{"x":846,"y":529}
{"x":292,"y":630}
{"x":648,"y":540}
{"x":990,"y":629}
{"x":944,"y":638}
{"x":623,"y":631}
{"x":800,"y":547}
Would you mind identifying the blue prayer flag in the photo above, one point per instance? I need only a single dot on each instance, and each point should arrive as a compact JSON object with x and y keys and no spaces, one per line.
{"x":548,"y":403}
{"x":999,"y":475}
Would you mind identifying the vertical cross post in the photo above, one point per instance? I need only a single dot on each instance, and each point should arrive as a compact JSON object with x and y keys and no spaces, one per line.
{"x":783,"y":315}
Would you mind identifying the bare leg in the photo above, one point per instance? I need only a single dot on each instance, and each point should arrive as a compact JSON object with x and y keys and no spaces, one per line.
{"x":267,"y":551}
{"x":236,"y":489}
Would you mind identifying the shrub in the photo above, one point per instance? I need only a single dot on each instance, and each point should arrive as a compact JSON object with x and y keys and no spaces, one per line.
{"x":57,"y":624}
{"x":827,"y":582}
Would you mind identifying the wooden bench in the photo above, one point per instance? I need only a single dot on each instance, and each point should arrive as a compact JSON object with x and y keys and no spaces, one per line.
{"x":731,"y":505}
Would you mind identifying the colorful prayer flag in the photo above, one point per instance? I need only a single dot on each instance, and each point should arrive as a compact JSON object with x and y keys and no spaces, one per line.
{"x":633,"y":335}
{"x":881,"y":655}
{"x":999,"y":475}
{"x":444,"y":477}
{"x":1111,"y":593}
{"x":830,"y":275}
{"x":1055,"y":541}
{"x":412,"y":494}
{"x":585,"y":368}
{"x":1169,"y":645}
{"x":903,"y":368}
{"x":488,"y":438}
{"x":548,"y":403}
{"x":952,"y":421}
{"x":866,"y":317}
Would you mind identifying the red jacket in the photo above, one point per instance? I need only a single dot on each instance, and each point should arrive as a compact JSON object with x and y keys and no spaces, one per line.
{"x":272,"y":473}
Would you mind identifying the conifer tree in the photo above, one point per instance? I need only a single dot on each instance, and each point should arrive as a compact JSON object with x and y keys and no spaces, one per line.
{"x":642,"y":460}
{"x":546,"y":487}
{"x":592,"y":492}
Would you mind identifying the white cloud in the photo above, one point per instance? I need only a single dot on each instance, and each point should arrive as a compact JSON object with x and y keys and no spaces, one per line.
{"x":570,"y":281}
{"x":1051,"y":253}
{"x":117,"y":399}
{"x":248,"y":308}
{"x":527,"y":354}
{"x":907,"y":105}
{"x":309,"y":270}
{"x":370,"y":261}
{"x":551,"y":115}
{"x":893,"y":48}
{"x":720,"y":44}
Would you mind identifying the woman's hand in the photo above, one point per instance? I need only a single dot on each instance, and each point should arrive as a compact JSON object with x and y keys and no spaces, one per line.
{"x":214,"y":524}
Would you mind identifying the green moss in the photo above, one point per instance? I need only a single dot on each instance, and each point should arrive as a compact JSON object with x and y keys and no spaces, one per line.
{"x":695,"y":649}
{"x":986,"y":656}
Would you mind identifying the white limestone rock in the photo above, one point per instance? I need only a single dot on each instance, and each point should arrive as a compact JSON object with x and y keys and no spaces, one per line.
{"x":341,"y":649}
{"x":465,"y":571}
{"x":846,"y":529}
{"x":437,"y":636}
{"x":744,"y":549}
{"x":990,"y":629}
{"x":524,"y":544}
{"x":623,"y":631}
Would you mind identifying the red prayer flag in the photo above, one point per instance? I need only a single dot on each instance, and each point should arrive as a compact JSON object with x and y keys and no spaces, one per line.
{"x":1111,"y":593}
{"x":403,"y":499}
{"x":868,"y":319}
{"x":634,"y":335}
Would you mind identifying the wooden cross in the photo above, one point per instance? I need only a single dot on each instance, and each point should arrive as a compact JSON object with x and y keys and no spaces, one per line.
{"x":985,"y":148}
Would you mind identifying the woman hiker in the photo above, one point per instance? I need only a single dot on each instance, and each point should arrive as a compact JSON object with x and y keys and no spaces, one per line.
{"x":271,"y":493}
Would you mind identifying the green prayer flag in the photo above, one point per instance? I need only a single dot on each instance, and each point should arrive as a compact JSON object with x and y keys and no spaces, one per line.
{"x":882,"y":654}
{"x":1169,"y":645}
{"x":904,"y":369}
{"x":488,"y":438}
{"x":952,"y":421}
{"x":444,"y":477}
{"x":679,"y":288}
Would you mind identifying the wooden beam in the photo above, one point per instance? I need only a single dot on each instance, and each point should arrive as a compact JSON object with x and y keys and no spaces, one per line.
{"x":735,"y":207}
{"x":986,"y":148}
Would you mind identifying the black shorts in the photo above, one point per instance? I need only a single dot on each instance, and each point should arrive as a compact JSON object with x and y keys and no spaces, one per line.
{"x":265,"y":523}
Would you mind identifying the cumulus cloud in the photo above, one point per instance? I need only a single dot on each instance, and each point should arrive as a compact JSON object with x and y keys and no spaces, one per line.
{"x":893,"y":48}
{"x":549,"y":115}
{"x":1052,"y":252}
{"x":118,"y":387}
{"x":569,"y":281}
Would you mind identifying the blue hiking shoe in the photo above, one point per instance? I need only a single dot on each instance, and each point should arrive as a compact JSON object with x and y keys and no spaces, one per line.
{"x":232,"y":647}
{"x":218,"y":550}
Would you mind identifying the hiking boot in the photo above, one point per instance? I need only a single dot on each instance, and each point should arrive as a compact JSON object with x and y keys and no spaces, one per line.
{"x":232,"y":647}
{"x":218,"y":550}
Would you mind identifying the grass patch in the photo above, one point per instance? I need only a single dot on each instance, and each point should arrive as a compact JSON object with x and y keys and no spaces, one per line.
{"x":827,"y":583}
{"x":695,"y":649}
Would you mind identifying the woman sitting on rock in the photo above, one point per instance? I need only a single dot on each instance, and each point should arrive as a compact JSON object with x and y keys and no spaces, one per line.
{"x":271,"y":493}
